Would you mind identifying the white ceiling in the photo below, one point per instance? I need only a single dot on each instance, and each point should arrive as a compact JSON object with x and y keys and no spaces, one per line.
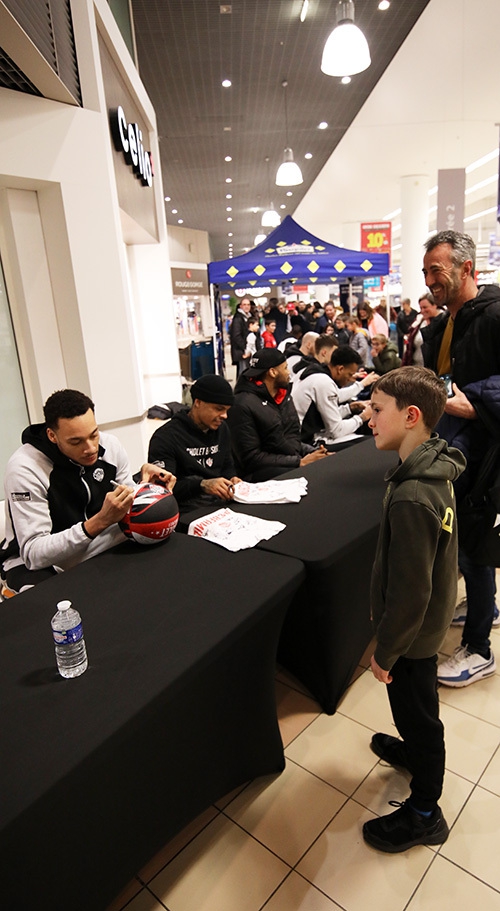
{"x":436,"y":106}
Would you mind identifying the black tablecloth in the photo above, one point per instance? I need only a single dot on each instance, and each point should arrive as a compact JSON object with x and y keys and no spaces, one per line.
{"x":176,"y":708}
{"x":333,"y":530}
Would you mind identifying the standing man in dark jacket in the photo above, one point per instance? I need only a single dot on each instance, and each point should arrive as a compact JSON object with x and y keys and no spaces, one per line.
{"x":405,"y":318}
{"x":464,"y":345}
{"x":197,"y":442}
{"x":265,"y":430}
{"x":238,"y":334}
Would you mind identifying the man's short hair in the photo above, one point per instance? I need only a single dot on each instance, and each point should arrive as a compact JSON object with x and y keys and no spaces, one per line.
{"x":462,"y":246}
{"x":66,"y":403}
{"x":344,"y":355}
{"x":325,"y":341}
{"x":415,"y":386}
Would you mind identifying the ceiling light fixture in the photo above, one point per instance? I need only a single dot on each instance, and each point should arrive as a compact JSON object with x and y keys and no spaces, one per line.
{"x":346,"y":51}
{"x":383,"y":5}
{"x":270,"y":218}
{"x":303,"y":12}
{"x":345,"y":80}
{"x":323,"y":125}
{"x":226,"y":83}
{"x":289,"y":173}
{"x":259,"y":238}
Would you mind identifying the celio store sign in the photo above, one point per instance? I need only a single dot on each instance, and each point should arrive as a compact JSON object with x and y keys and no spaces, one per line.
{"x":127,"y":138}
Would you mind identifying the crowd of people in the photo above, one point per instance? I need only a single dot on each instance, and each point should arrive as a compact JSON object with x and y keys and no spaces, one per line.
{"x":305,"y":387}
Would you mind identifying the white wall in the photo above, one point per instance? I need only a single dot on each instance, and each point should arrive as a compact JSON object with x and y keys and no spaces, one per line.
{"x":88,"y":311}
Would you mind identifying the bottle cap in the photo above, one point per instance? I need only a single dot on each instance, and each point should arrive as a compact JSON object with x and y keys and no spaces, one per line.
{"x":63,"y":605}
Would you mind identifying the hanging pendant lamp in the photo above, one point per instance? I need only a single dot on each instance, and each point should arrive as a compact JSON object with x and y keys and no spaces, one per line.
{"x":289,"y":173}
{"x":270,"y":218}
{"x":346,"y":51}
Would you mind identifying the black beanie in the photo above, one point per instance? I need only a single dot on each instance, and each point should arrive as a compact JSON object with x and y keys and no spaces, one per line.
{"x":214,"y":389}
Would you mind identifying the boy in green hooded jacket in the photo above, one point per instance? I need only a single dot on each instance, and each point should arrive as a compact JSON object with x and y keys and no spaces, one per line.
{"x":413,"y":596}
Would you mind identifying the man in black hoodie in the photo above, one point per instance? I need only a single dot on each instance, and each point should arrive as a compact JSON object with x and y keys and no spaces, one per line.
{"x":195,"y":446}
{"x":66,"y":489}
{"x":265,"y":429}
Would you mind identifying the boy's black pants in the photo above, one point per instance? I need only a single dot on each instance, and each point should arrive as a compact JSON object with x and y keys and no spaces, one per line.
{"x":415,"y":709}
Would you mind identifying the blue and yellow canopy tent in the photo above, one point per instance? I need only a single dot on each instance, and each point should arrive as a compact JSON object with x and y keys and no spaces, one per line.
{"x":292,"y":254}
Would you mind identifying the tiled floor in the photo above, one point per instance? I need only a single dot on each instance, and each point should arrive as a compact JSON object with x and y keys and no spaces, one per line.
{"x":293,"y":842}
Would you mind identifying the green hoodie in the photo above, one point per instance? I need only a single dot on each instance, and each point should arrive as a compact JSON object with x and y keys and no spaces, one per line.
{"x":414,"y":577}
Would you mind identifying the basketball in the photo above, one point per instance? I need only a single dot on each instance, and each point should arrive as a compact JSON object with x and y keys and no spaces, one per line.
{"x":153,"y":515}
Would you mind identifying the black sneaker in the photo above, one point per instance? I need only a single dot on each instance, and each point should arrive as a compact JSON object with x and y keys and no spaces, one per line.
{"x":390,"y":749}
{"x":404,"y":829}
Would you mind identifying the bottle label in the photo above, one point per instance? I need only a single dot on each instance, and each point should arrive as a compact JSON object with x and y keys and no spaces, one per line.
{"x":68,"y":636}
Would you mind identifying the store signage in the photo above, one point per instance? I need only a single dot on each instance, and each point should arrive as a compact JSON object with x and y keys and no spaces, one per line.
{"x":255,"y":292}
{"x":189,"y":281}
{"x":376,"y":237}
{"x":127,"y":138}
{"x":451,"y":199}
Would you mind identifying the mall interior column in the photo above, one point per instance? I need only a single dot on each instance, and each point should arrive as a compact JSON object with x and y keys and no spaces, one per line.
{"x":414,"y":231}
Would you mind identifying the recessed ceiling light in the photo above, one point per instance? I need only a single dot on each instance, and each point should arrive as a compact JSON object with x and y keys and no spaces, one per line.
{"x":167,"y":198}
{"x":228,"y":158}
{"x":282,"y":206}
{"x":308,"y":155}
{"x":229,"y":196}
{"x":254,"y":209}
{"x":345,"y":80}
{"x":230,"y":234}
{"x":226,"y":83}
{"x":174,"y":211}
{"x":228,"y":209}
{"x":289,"y":193}
{"x":229,"y":219}
{"x":323,"y":125}
{"x":180,"y":221}
{"x":229,"y":180}
{"x":384,"y":4}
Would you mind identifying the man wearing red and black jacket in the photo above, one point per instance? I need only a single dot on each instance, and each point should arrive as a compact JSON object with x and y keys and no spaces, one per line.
{"x":265,"y":429}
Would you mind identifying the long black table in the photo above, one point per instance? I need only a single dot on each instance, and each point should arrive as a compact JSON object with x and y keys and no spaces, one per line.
{"x":333,"y":530}
{"x":176,"y":709}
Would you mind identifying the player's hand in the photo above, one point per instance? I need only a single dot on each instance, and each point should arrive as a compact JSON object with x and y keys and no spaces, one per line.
{"x":116,"y":505}
{"x":369,"y":378}
{"x":459,"y":405}
{"x":319,"y":453}
{"x":153,"y":474}
{"x":218,"y":487}
{"x":379,"y":673}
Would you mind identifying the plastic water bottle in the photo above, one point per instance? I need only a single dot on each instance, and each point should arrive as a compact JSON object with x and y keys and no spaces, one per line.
{"x":71,"y":654}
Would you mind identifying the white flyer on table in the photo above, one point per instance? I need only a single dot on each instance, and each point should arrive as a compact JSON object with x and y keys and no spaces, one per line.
{"x":234,"y":531}
{"x":290,"y":490}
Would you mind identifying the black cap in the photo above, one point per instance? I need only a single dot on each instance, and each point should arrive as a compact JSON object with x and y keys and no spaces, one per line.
{"x":214,"y":389}
{"x":263,"y":360}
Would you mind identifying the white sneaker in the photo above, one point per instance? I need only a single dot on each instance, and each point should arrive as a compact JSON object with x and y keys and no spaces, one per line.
{"x":465,"y":667}
{"x":460,"y":614}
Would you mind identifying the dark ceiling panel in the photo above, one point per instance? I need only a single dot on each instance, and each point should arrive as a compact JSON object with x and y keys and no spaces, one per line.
{"x":187,"y":47}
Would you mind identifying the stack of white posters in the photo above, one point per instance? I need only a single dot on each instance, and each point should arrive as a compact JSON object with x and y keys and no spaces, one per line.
{"x":232,"y":530}
{"x":288,"y":491}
